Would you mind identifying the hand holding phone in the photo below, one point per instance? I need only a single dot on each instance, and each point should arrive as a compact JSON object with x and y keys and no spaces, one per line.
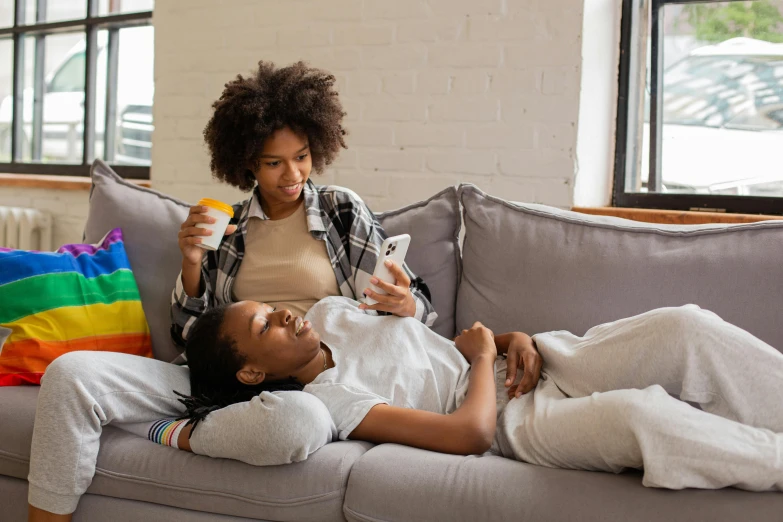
{"x":393,"y":249}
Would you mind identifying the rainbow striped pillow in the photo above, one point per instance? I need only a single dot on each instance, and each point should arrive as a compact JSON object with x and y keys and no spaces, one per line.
{"x":82,"y":297}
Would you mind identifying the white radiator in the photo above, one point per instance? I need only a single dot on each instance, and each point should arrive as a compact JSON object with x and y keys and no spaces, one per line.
{"x":25,"y":228}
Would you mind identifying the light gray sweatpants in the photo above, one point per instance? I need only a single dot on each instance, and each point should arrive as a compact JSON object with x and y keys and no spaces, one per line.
{"x":83,"y":391}
{"x":604,"y":403}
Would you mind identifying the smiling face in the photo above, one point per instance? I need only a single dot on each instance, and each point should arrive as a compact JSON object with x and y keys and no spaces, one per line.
{"x":284,"y":168}
{"x":275,"y":344}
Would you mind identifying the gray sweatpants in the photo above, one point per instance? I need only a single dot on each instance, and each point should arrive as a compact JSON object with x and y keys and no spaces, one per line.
{"x":83,"y":391}
{"x":605,"y":403}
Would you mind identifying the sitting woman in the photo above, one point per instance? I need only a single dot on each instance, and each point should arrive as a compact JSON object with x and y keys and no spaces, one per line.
{"x":602,"y":402}
{"x":291,"y":241}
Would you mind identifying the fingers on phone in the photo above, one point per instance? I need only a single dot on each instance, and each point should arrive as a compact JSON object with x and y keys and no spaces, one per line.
{"x":389,"y":288}
{"x":380,"y":298}
{"x":398,"y":273}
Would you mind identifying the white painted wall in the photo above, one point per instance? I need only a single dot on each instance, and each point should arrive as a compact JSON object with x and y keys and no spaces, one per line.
{"x":437,"y":92}
{"x":598,"y":103}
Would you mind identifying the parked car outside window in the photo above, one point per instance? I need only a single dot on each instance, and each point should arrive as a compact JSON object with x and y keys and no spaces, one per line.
{"x":722,"y":121}
{"x":63,"y":104}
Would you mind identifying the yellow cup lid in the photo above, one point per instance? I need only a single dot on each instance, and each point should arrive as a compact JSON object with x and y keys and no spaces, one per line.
{"x":219,"y":205}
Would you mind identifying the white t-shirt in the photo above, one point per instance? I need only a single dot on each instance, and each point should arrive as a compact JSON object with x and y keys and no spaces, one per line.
{"x":383,"y":360}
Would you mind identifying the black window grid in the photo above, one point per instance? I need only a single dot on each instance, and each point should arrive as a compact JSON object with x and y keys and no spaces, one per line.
{"x":91,"y":24}
{"x":633,"y":31}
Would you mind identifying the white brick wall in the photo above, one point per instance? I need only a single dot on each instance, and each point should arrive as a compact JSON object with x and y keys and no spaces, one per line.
{"x":437,"y":92}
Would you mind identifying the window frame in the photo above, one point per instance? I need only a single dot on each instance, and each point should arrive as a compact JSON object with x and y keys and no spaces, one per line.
{"x":90,"y":25}
{"x":632,"y":67}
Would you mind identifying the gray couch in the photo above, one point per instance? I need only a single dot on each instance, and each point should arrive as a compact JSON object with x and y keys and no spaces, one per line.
{"x":522,"y":267}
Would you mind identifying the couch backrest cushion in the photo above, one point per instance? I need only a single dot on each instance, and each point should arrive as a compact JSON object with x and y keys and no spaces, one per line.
{"x":433,"y":255}
{"x":150,"y":222}
{"x":536,"y":268}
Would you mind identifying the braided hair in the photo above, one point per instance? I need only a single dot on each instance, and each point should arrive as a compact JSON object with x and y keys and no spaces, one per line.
{"x":214,"y":361}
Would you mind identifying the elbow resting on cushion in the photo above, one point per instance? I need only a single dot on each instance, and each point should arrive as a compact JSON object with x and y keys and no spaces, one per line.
{"x":475,"y":438}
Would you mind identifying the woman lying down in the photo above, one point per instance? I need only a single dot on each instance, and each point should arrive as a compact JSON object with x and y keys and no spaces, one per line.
{"x":602,"y":402}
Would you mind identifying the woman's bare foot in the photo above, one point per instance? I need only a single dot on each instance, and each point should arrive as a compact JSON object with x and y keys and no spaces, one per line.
{"x":39,"y":515}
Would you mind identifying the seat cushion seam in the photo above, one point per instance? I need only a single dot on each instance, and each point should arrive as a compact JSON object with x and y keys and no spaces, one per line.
{"x":297,"y":501}
{"x":360,"y":516}
{"x":14,"y":456}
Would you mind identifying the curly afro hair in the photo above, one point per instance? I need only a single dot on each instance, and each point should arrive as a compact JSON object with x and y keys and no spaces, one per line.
{"x":251,"y":109}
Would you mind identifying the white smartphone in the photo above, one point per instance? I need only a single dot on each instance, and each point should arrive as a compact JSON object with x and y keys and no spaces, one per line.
{"x":394,"y":249}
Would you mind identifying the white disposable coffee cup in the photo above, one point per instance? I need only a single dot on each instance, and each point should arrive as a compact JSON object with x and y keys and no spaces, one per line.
{"x":222,"y":214}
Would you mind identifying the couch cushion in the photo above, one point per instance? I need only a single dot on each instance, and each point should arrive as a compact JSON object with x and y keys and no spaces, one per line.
{"x":536,"y":268}
{"x":150,"y":222}
{"x":398,"y":483}
{"x":134,"y":468}
{"x":433,"y":255}
{"x":17,"y":413}
{"x":92,"y":508}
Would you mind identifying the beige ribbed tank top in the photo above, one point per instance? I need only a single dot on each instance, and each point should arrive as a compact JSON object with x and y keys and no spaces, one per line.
{"x":284,"y":265}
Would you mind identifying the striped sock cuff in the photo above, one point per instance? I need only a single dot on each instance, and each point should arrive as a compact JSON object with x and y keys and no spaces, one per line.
{"x":166,"y":431}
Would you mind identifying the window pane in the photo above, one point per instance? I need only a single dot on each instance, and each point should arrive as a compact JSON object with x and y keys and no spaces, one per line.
{"x":56,"y":10}
{"x":25,"y":145}
{"x":6,"y":13}
{"x":63,"y":99}
{"x":722,"y":99}
{"x":124,"y":6}
{"x":135,"y":87}
{"x":6,"y":108}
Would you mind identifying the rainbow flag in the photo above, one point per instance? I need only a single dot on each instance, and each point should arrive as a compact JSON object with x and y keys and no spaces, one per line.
{"x":82,"y":297}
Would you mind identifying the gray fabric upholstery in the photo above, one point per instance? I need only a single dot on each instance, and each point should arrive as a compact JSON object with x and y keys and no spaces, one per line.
{"x":95,"y":508}
{"x":402,"y":484}
{"x":433,"y":255}
{"x":17,"y":414}
{"x":134,"y":468}
{"x":13,"y":497}
{"x":150,"y":222}
{"x":535,"y":268}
